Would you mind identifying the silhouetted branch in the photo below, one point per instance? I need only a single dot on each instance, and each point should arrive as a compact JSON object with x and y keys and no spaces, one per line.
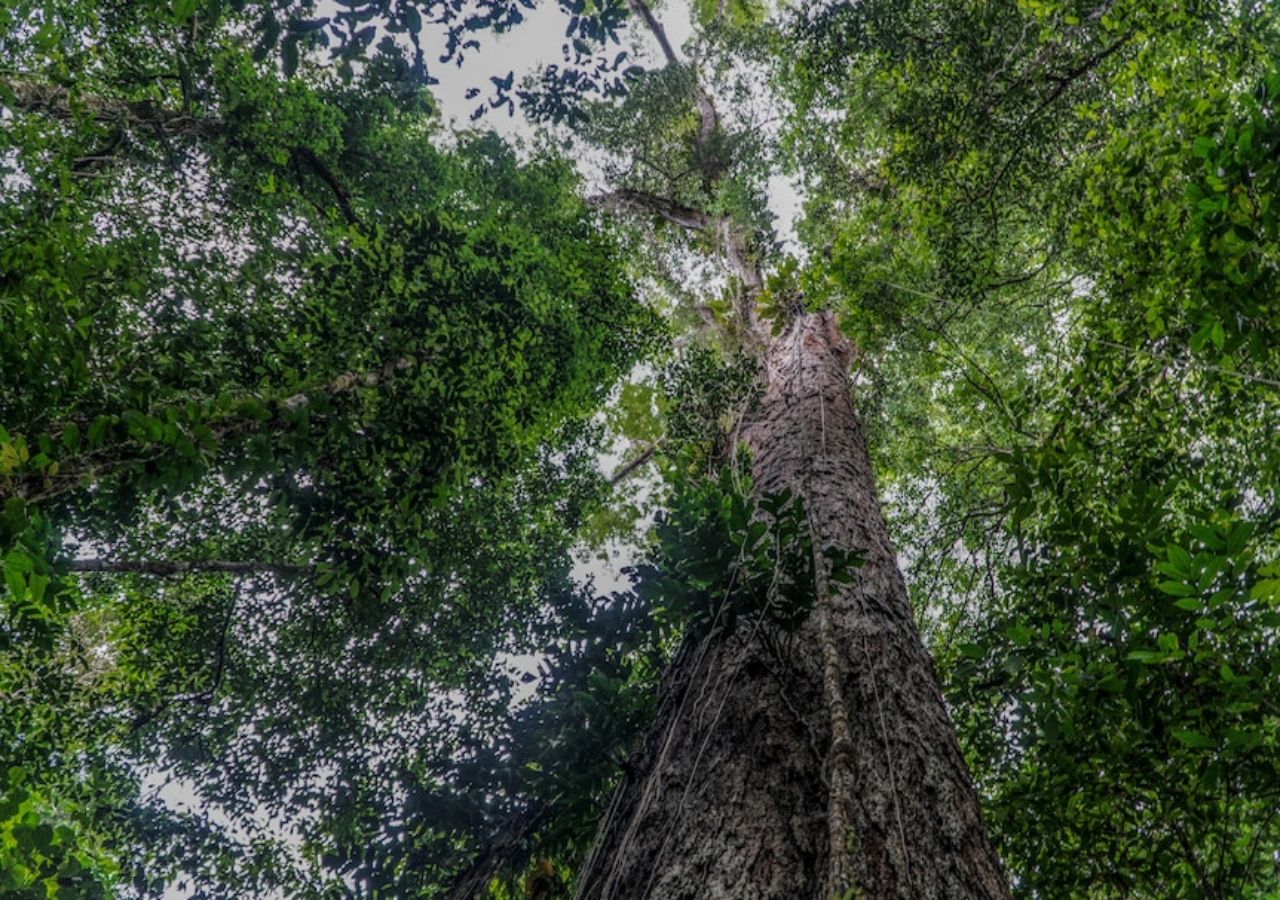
{"x":173,"y":567}
{"x":641,"y":9}
{"x":627,"y":469}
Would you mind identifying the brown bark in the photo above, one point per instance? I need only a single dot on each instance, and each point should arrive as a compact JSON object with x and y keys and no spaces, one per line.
{"x":825,"y":765}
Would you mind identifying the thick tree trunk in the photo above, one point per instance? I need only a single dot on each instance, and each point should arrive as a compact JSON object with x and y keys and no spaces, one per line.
{"x":821,"y":766}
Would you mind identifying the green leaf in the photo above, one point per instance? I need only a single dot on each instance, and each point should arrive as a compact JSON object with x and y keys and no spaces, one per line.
{"x":1180,"y":559}
{"x":1146,"y":656}
{"x":1194,"y":739}
{"x":1019,"y":634}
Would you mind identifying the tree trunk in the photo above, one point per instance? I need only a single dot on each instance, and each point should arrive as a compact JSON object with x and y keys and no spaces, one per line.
{"x":821,"y":766}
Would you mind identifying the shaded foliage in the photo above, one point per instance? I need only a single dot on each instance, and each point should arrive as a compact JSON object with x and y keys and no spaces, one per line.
{"x":296,"y":427}
{"x":1062,"y":224}
{"x":262,"y":326}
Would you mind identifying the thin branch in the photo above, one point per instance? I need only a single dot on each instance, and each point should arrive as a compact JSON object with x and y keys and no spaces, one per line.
{"x":641,"y":9}
{"x":1192,"y":860}
{"x":1022,"y":277}
{"x":1062,"y":82}
{"x":325,"y":174}
{"x":206,"y":696}
{"x":992,"y":390}
{"x":627,"y":469}
{"x":1253,"y":846}
{"x":167,"y":568}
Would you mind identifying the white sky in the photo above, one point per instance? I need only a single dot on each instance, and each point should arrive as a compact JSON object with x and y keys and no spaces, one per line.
{"x":536,"y":42}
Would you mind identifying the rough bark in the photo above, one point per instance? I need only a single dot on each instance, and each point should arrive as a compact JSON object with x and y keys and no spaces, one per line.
{"x":821,"y":766}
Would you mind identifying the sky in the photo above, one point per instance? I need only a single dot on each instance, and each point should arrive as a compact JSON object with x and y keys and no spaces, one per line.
{"x":521,"y":51}
{"x":537,"y":42}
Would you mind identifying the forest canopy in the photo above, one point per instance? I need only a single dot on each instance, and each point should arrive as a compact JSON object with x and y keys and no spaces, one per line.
{"x":396,"y":509}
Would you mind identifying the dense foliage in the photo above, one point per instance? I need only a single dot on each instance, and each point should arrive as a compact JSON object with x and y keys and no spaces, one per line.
{"x":300,"y":423}
{"x":1064,"y":238}
{"x":263,"y":338}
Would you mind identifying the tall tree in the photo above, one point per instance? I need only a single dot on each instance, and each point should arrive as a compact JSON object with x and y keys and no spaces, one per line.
{"x":302,"y":430}
{"x":830,"y":766}
{"x":1079,"y":328}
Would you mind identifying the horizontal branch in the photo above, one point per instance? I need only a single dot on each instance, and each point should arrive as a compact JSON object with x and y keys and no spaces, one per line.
{"x":630,"y":200}
{"x":735,"y":240}
{"x":104,"y":461}
{"x":57,"y":101}
{"x":172,"y":567}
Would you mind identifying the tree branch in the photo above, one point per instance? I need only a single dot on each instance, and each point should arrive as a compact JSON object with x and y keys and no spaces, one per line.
{"x":630,"y":200}
{"x":325,"y":174}
{"x":172,"y":567}
{"x":627,"y":469}
{"x":735,"y":239}
{"x":641,"y":9}
{"x":57,"y":101}
{"x":708,"y":121}
{"x":1061,"y":82}
{"x":36,"y":486}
